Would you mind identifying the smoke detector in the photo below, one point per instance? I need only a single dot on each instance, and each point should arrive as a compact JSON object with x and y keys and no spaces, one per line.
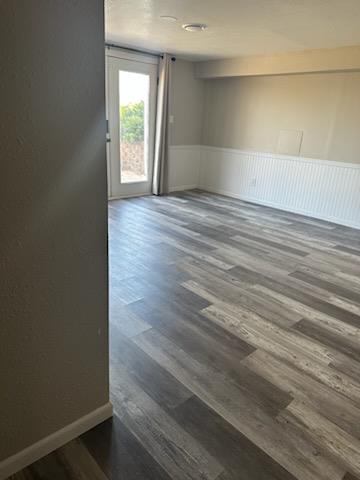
{"x":194,"y":27}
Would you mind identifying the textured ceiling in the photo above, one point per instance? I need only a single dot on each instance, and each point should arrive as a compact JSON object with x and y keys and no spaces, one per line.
{"x":236,"y":27}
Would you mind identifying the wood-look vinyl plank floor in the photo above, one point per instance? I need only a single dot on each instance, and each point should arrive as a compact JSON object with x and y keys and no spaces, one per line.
{"x":234,"y":347}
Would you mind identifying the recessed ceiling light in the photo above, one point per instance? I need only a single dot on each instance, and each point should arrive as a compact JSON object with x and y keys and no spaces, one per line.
{"x":194,"y":27}
{"x":168,"y":18}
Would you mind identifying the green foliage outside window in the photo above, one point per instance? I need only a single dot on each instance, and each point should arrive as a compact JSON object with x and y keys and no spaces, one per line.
{"x":132,"y":122}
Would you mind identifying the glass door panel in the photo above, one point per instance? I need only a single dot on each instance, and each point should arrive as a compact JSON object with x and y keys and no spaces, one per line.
{"x":134,"y":126}
{"x":131,"y":98}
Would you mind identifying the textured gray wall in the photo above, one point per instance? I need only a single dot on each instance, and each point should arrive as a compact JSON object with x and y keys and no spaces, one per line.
{"x":53,"y":218}
{"x":187,"y":103}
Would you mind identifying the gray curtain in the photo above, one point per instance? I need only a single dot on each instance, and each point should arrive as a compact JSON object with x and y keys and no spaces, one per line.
{"x":161,"y":155}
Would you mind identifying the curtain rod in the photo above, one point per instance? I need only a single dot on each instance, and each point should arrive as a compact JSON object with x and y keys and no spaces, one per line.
{"x":136,"y":50}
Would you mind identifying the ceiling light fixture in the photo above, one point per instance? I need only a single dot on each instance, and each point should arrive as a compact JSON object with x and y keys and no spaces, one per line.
{"x":168,"y":18}
{"x":194,"y":27}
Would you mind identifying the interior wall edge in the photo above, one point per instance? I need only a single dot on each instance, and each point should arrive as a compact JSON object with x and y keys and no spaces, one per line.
{"x":46,"y":445}
{"x":54,"y":355}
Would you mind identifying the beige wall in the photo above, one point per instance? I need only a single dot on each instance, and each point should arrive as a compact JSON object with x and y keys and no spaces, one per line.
{"x":249,"y":112}
{"x":53,"y":209}
{"x":186,"y":105}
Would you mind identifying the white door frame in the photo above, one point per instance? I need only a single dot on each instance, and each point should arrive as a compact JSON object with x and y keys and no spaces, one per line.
{"x":144,"y":64}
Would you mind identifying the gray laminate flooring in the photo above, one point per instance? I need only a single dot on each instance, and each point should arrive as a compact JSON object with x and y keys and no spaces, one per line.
{"x":234,"y":347}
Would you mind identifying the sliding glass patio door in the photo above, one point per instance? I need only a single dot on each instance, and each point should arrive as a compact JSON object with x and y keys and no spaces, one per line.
{"x":131,"y":103}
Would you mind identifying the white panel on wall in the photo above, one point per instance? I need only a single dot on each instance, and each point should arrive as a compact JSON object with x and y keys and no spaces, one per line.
{"x":317,"y":188}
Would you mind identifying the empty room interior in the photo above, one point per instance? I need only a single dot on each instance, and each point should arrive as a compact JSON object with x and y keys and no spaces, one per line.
{"x":180,"y":240}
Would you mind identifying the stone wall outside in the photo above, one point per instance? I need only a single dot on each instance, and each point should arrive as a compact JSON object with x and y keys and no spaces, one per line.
{"x":132,"y":157}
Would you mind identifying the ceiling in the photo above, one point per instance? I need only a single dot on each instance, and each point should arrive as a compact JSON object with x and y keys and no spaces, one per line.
{"x":235,"y":27}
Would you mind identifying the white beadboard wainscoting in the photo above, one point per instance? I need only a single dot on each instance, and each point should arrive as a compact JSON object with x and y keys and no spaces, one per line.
{"x":317,"y":188}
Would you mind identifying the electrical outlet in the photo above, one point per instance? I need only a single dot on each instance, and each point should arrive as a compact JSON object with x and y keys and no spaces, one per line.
{"x":171,"y":119}
{"x":253,"y":182}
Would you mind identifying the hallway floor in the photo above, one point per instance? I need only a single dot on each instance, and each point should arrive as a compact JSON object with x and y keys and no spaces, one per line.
{"x":234,"y":347}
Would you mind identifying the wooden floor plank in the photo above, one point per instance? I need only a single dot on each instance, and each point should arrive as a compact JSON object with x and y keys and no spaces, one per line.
{"x":314,"y":362}
{"x":225,"y":357}
{"x":296,"y":292}
{"x":344,"y":344}
{"x":326,"y":285}
{"x":120,"y":455}
{"x":180,"y":455}
{"x":296,"y":383}
{"x":326,"y":434}
{"x":228,"y":401}
{"x":241,"y":458}
{"x":161,"y":386}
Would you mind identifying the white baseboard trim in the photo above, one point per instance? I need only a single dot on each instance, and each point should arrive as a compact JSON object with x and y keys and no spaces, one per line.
{"x":46,"y":445}
{"x":120,"y":197}
{"x":179,"y":188}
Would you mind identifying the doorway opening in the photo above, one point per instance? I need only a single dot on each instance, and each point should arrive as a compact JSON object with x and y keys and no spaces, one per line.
{"x":131,"y":108}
